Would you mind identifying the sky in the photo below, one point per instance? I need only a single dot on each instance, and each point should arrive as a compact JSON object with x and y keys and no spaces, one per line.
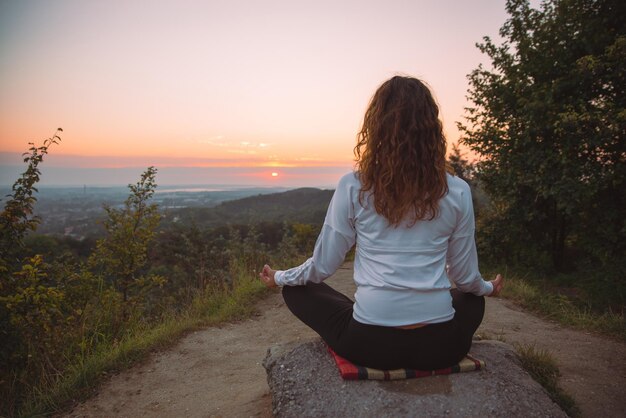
{"x":220,"y":92}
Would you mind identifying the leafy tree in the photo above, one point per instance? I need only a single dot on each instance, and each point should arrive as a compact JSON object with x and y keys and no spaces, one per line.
{"x":122,"y":255}
{"x":16,"y":219}
{"x":28,"y":308}
{"x":460,"y":165}
{"x":16,"y":277}
{"x":39,"y":307}
{"x":548,"y":120}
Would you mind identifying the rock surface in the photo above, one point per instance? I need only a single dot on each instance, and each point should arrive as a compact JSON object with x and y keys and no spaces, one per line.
{"x":305,"y":382}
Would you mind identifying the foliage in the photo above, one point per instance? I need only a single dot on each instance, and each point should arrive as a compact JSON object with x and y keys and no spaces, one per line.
{"x":16,"y":218}
{"x":35,"y":313}
{"x":460,"y":166}
{"x":122,"y":255}
{"x":30,"y":311}
{"x":548,"y":121}
{"x":196,"y":259}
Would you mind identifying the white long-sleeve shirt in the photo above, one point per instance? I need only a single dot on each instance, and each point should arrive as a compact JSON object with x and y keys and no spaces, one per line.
{"x":400,"y":272}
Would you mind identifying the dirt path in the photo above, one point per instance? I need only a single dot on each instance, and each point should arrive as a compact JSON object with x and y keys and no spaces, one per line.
{"x":217,"y":371}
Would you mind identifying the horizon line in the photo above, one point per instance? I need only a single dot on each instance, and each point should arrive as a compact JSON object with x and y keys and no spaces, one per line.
{"x":11,"y":158}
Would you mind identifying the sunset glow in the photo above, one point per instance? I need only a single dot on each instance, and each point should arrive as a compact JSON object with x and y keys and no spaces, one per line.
{"x":221,"y":85}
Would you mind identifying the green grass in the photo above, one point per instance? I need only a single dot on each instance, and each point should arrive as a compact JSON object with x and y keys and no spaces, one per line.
{"x":543,"y":368}
{"x":536,"y":296}
{"x":79,"y":380}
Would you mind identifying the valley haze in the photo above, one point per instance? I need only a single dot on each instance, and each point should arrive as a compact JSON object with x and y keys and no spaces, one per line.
{"x":290,"y":177}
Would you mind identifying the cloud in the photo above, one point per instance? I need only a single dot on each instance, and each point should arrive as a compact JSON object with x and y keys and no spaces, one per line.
{"x":243,"y":147}
{"x":314,"y":158}
{"x":248,"y":144}
{"x":216,"y":141}
{"x":242,"y":151}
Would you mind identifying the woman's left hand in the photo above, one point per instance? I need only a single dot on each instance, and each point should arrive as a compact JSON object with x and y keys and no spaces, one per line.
{"x":267,"y":276}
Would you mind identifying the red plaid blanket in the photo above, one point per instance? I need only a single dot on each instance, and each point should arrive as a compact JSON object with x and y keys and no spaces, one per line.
{"x":350,"y":371}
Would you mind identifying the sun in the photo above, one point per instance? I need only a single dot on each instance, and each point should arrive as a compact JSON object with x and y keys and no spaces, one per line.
{"x":274,"y":174}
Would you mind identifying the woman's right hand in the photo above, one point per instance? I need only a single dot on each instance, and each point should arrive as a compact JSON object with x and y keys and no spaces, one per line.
{"x":498,"y":284}
{"x":267,"y":276}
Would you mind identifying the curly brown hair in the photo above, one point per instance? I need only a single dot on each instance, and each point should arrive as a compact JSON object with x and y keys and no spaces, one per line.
{"x":400,"y":152}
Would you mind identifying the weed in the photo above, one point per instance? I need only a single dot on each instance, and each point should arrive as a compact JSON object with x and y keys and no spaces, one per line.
{"x":542,"y":367}
{"x":485,"y":335}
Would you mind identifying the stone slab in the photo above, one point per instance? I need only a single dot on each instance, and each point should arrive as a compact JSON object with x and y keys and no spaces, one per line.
{"x":305,"y":382}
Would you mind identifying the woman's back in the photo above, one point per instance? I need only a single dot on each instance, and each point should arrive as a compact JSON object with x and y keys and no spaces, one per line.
{"x":400,"y":270}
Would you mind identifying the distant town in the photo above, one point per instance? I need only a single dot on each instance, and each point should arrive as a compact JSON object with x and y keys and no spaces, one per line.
{"x":76,"y":211}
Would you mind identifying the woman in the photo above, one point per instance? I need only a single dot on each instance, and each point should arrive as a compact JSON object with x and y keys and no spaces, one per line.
{"x":413,"y":226}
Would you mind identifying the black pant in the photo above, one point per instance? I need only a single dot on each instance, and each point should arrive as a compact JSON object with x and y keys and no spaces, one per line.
{"x":434,"y":346}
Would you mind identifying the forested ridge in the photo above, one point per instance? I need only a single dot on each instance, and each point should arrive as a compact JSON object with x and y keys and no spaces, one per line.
{"x":303,"y":205}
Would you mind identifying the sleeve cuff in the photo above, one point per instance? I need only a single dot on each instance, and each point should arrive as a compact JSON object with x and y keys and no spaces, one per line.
{"x":279,"y":278}
{"x":489,"y":288}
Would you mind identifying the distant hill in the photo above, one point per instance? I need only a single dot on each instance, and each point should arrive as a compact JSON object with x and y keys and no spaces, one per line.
{"x":304,"y":205}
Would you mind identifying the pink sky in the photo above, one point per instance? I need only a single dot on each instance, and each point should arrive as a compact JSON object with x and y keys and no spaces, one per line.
{"x":280,"y":84}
